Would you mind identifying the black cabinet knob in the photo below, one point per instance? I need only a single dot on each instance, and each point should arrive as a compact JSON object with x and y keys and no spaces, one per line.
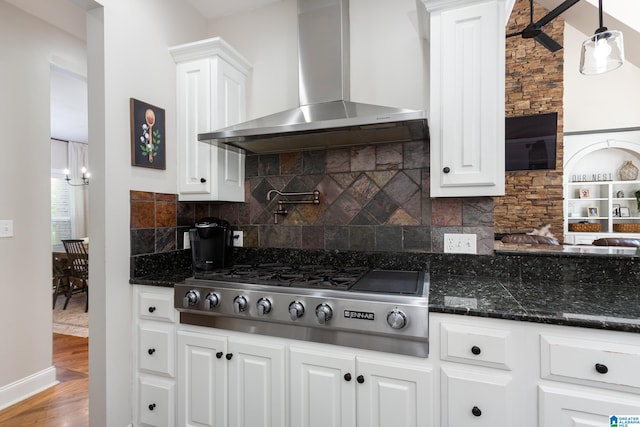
{"x":476,"y":350}
{"x":152,"y":406}
{"x":229,"y":356}
{"x":347,"y":377}
{"x":203,"y":180}
{"x":219,"y":354}
{"x":151,"y":351}
{"x":360,"y":379}
{"x":152,"y":309}
{"x":601,"y":369}
{"x":476,"y":411}
{"x":446,"y":169}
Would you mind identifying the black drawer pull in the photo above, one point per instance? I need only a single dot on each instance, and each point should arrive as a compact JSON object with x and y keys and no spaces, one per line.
{"x":476,"y":350}
{"x":476,"y":411}
{"x":347,"y":377}
{"x":152,"y":406}
{"x":360,"y":379}
{"x":151,"y":351}
{"x":446,"y":169}
{"x":219,"y":354}
{"x":229,"y":356}
{"x":203,"y":180}
{"x":152,"y":309}
{"x":601,"y":369}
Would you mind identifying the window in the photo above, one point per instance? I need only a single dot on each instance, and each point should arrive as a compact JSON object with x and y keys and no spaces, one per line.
{"x":61,"y":206}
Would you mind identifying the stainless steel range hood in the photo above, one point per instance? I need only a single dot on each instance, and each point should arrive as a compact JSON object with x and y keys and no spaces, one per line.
{"x":325,"y":117}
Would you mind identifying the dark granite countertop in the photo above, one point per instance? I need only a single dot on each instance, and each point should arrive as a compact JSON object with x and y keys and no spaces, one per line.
{"x":583,"y":305}
{"x":592,"y":291}
{"x":586,"y":305}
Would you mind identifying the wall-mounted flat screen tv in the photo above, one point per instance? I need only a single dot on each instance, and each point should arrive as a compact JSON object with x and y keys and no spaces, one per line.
{"x":530,"y":142}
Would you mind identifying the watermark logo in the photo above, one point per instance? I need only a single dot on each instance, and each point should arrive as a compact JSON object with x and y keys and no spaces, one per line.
{"x":624,"y":420}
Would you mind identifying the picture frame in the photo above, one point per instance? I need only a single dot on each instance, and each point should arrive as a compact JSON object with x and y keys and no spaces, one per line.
{"x":615,"y":210}
{"x":585,"y":193}
{"x":592,"y":212}
{"x":624,"y":212}
{"x":148,"y":140}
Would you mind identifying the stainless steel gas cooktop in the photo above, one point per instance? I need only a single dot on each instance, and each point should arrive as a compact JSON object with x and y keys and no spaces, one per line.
{"x":384,"y":310}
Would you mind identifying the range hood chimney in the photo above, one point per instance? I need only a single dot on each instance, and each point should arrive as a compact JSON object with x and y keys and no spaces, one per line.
{"x":325,"y":118}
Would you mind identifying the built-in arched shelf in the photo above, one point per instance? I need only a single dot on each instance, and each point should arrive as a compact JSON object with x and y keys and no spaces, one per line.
{"x":593,"y":191}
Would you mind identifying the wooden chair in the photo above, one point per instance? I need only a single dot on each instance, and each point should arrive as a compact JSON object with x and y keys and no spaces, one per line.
{"x":61,"y":272}
{"x":78,"y":269}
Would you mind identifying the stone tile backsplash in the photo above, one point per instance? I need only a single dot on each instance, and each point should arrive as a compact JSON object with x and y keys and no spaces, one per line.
{"x":372,"y":198}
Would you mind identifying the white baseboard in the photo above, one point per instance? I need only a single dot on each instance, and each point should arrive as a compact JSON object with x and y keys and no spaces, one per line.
{"x":27,"y":386}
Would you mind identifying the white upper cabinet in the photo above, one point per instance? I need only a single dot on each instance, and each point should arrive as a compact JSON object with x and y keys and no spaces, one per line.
{"x":211,"y":95}
{"x":466,"y":96}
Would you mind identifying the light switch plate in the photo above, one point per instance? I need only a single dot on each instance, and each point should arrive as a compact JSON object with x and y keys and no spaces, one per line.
{"x":6,"y":228}
{"x":460,"y":243}
{"x":237,"y":238}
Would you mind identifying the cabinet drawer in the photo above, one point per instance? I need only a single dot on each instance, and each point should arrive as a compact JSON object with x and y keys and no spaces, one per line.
{"x":470,"y":398}
{"x":156,"y":306}
{"x":479,"y":346}
{"x":598,"y":363}
{"x":156,"y":348}
{"x":157,"y":402}
{"x":563,"y":407}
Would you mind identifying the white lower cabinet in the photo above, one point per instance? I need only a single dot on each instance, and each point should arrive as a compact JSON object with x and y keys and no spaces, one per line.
{"x":339,"y":389}
{"x":154,"y":332}
{"x":480,"y":372}
{"x":224,"y":380}
{"x":394,"y":394}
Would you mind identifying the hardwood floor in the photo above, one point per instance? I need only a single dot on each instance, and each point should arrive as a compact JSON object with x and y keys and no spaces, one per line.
{"x":67,"y":403}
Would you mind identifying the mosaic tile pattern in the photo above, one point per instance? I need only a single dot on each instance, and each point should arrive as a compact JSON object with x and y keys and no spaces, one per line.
{"x":372,"y":198}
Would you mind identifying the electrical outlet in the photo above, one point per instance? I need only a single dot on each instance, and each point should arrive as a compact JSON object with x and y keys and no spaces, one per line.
{"x":460,"y":243}
{"x":6,"y":228}
{"x":237,"y":238}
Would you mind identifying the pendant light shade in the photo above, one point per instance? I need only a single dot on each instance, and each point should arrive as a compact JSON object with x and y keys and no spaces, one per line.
{"x":602,"y":52}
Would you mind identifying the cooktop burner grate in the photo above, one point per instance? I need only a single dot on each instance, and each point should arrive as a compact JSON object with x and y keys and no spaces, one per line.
{"x":305,"y":276}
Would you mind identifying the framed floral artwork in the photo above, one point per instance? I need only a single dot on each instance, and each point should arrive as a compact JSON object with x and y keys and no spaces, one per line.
{"x":148,"y":144}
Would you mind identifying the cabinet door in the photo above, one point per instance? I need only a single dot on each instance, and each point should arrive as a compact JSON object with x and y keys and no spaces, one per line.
{"x":571,"y":407}
{"x":322,"y":389}
{"x":473,"y":398}
{"x":390,"y":395}
{"x":256,"y":384}
{"x":194,"y":117}
{"x":202,"y":380}
{"x":467,"y":99}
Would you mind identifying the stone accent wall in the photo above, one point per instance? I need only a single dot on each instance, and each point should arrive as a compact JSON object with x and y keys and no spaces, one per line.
{"x":533,"y":85}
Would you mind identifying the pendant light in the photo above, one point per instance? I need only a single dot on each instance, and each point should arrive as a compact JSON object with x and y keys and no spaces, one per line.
{"x":603,"y":51}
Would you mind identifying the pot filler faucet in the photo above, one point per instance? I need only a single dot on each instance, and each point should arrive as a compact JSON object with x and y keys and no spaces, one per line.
{"x":282,"y":211}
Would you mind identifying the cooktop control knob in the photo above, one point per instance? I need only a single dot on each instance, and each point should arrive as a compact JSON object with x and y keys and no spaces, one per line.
{"x":240,"y":304}
{"x":296,"y":310}
{"x":191,"y":298}
{"x":323,"y":313}
{"x":264,"y":306}
{"x":211,"y":301}
{"x":396,"y":319}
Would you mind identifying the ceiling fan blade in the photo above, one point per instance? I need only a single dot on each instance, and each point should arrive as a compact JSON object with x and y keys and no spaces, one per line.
{"x":556,"y":12}
{"x":519,"y":33}
{"x":548,"y":42}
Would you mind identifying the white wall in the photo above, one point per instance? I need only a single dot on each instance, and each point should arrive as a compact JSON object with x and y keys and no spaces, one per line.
{"x":128,"y":58}
{"x":386,"y":54}
{"x":27,"y":45}
{"x":605,"y":101}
